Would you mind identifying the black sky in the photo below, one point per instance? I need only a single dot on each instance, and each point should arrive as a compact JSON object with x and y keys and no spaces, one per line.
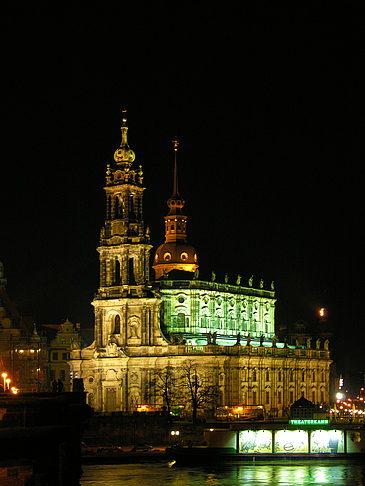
{"x":267,"y":106}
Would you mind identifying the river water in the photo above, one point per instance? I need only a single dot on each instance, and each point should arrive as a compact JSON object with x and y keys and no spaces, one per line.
{"x":276,"y":473}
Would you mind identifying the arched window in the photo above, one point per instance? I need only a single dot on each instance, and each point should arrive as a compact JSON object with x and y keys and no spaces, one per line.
{"x":180,"y":319}
{"x":117,"y":273}
{"x":117,"y":324}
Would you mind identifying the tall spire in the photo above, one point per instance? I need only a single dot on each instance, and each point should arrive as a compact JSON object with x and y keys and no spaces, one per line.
{"x":175,"y":201}
{"x":175,"y":191}
{"x":176,"y":253}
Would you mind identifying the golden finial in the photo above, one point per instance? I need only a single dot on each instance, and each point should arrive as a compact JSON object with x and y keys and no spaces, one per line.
{"x":124,"y":117}
{"x":176,"y":144}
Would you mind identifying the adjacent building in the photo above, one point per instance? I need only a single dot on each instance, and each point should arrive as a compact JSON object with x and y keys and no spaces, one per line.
{"x":33,"y":356}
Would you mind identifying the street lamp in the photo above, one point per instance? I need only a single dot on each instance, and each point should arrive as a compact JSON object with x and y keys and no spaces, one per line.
{"x":8,"y":380}
{"x":4,"y":375}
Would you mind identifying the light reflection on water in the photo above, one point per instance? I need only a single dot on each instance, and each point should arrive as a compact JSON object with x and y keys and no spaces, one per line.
{"x":160,"y":474}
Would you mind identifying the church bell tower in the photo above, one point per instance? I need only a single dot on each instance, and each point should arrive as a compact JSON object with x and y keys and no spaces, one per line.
{"x":126,"y":311}
{"x":124,"y":242}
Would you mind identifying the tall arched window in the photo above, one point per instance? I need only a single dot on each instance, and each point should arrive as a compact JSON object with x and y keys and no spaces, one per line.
{"x":117,"y":324}
{"x":117,"y":273}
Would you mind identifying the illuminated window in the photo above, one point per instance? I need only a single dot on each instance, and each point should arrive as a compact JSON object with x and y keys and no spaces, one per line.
{"x":195,"y":258}
{"x":184,"y":256}
{"x":167,"y":256}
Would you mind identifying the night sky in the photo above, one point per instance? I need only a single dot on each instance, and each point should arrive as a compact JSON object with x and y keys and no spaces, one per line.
{"x":267,"y":105}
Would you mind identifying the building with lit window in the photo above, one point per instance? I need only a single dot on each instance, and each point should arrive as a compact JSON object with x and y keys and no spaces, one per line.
{"x":59,"y":352}
{"x":145,"y":323}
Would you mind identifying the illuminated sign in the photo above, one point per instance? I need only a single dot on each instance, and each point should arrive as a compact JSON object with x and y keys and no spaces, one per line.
{"x":309,"y":421}
{"x":327,"y":441}
{"x":291,"y":441}
{"x":255,"y":441}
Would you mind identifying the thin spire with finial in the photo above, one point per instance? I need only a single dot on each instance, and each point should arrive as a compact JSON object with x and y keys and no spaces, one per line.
{"x":175,"y":191}
{"x":124,"y":129}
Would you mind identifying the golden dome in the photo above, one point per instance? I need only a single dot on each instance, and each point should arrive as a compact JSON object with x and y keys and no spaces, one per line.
{"x":175,"y":256}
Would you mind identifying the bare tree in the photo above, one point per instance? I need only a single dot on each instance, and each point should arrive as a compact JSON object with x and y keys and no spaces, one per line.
{"x":164,"y":384}
{"x":202,"y":390}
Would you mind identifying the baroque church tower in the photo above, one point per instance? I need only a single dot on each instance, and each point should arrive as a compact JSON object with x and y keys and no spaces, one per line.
{"x":125,"y":307}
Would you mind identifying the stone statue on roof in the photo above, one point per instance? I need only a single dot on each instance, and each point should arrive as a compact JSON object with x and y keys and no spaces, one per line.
{"x":214,"y":336}
{"x":248,"y":343}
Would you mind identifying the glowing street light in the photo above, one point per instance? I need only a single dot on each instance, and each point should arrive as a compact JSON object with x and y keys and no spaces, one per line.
{"x":8,"y":380}
{"x":4,"y":375}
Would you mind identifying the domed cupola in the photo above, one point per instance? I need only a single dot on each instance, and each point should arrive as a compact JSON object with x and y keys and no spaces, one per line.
{"x":176,"y":253}
{"x":124,"y":155}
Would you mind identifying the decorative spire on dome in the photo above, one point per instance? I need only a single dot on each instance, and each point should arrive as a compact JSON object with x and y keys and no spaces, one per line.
{"x":176,"y":253}
{"x":124,"y":155}
{"x":175,"y":202}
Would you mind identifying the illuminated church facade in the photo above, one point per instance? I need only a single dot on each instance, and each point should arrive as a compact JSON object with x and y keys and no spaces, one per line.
{"x":145,"y":324}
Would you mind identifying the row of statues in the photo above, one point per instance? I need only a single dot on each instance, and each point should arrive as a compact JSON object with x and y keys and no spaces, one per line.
{"x":212,"y":339}
{"x":238,"y":280}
